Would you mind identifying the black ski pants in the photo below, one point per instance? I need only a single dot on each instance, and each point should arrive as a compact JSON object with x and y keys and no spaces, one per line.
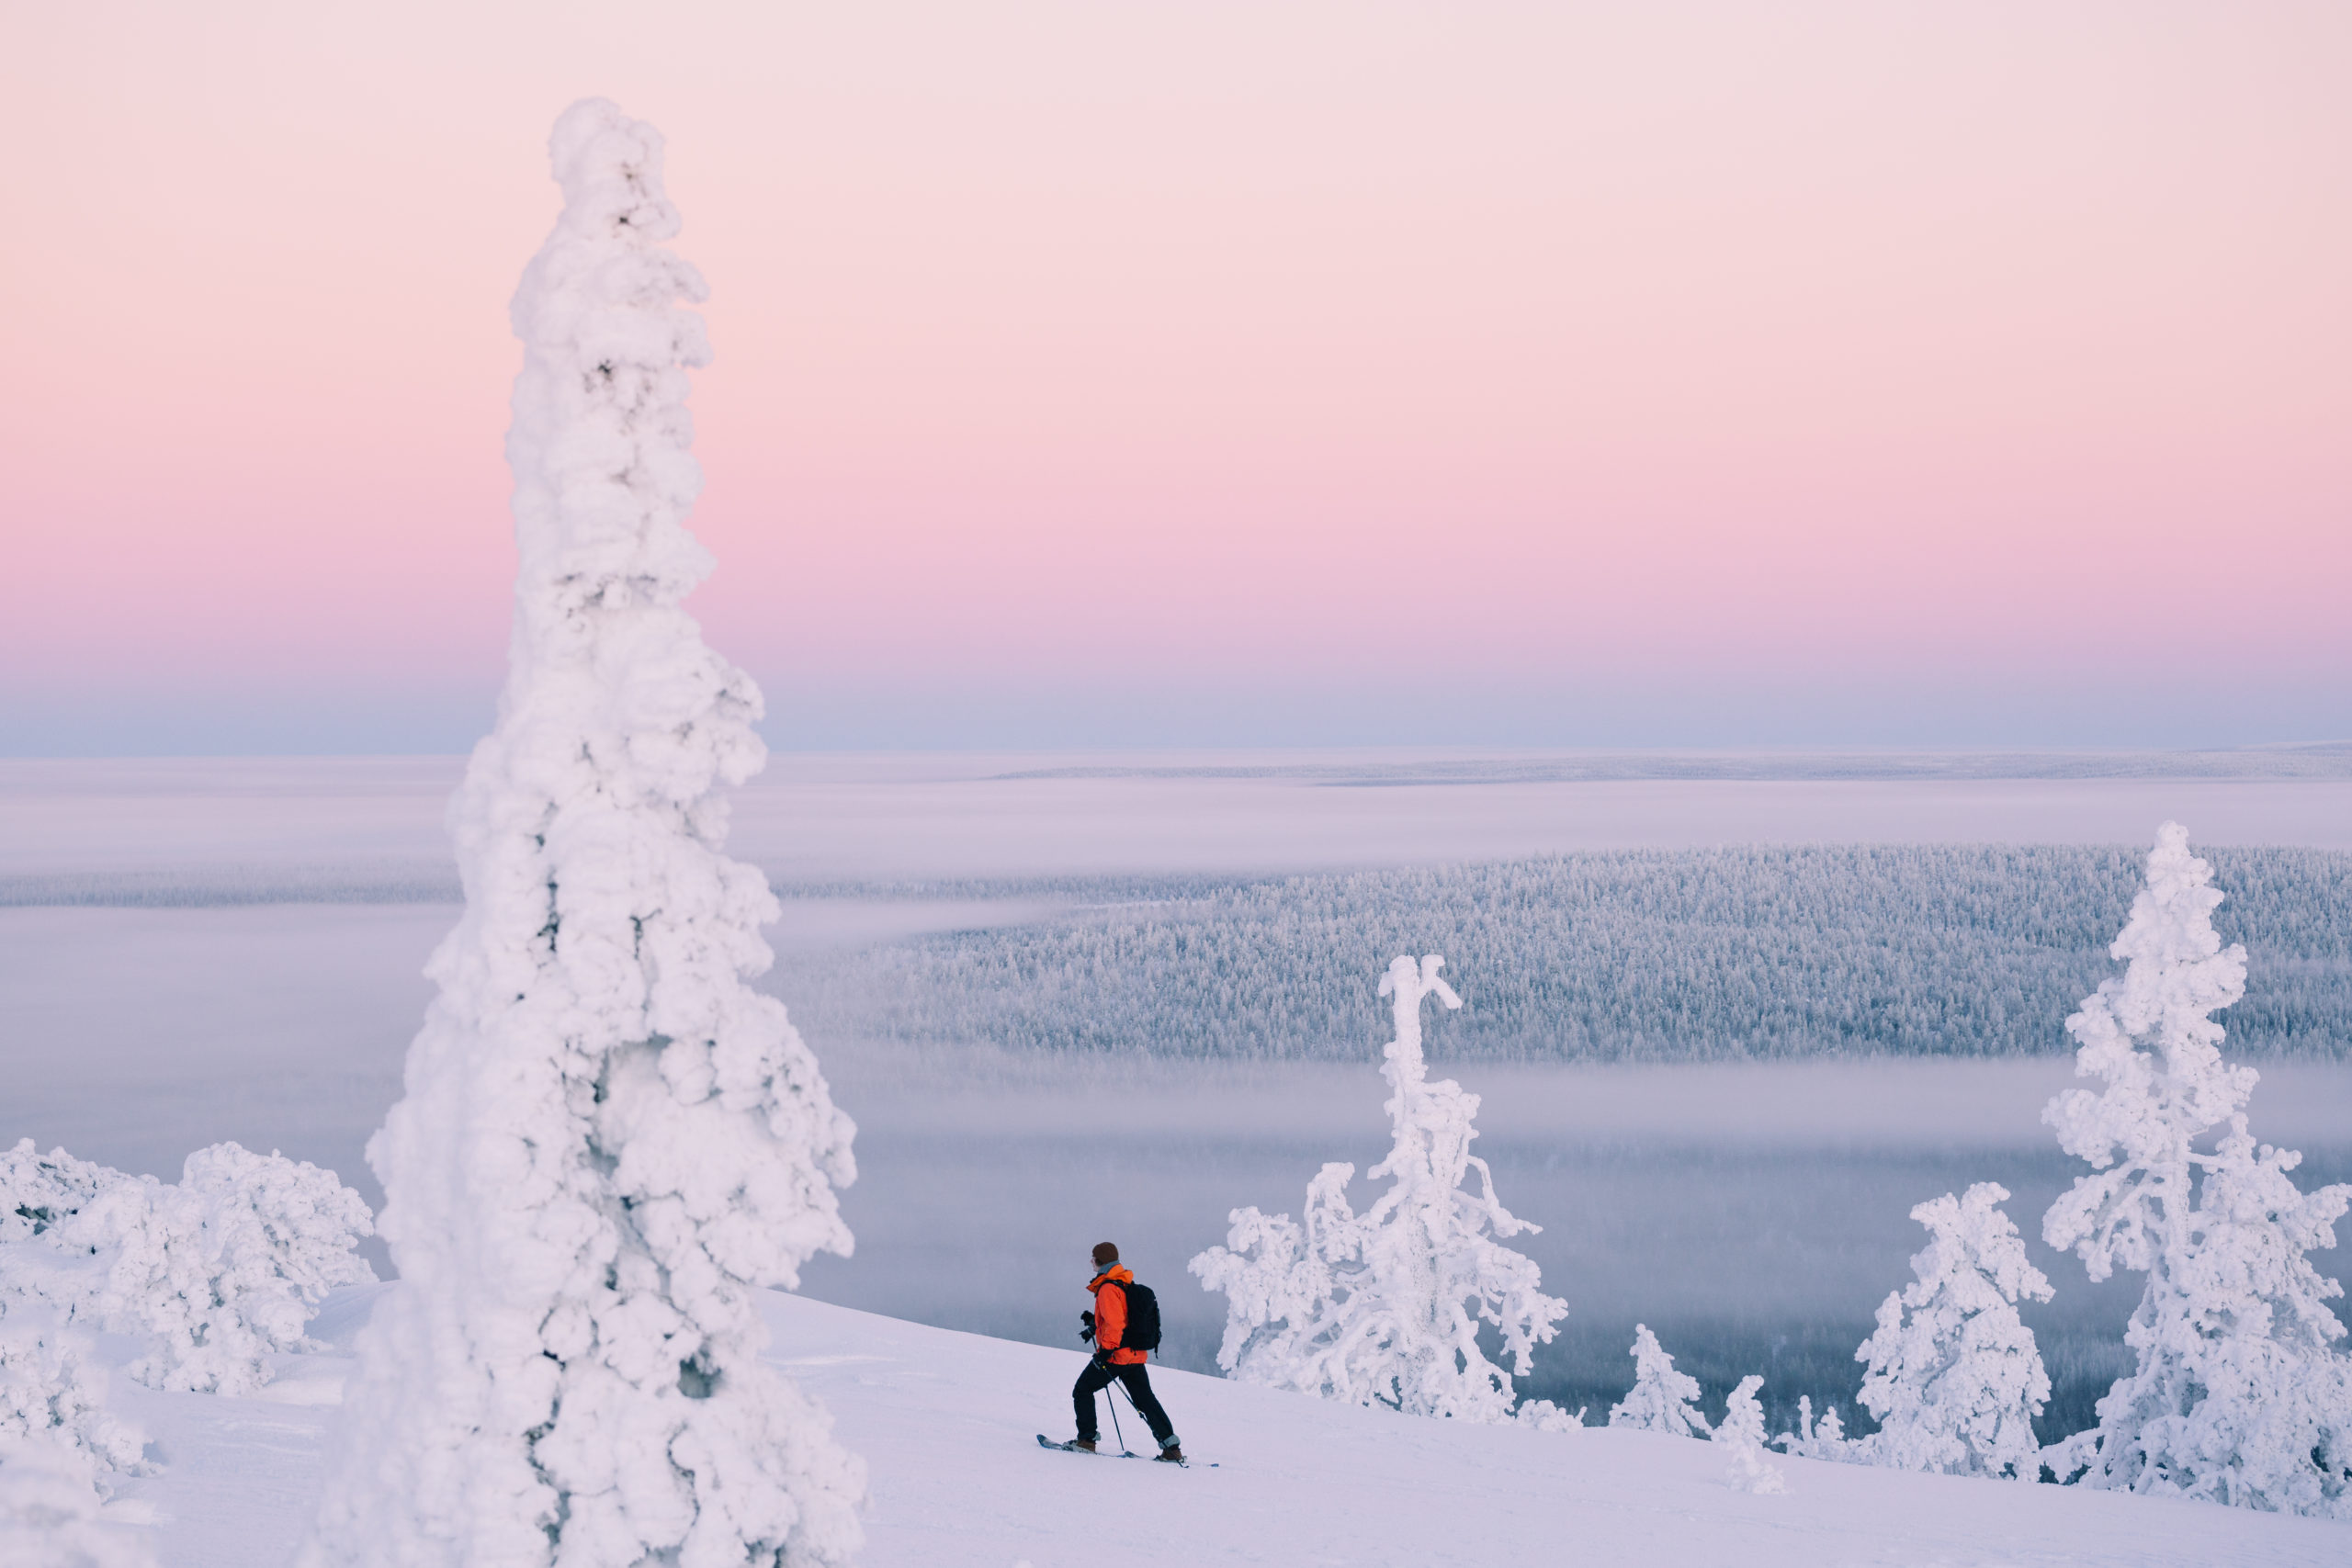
{"x":1138,"y":1380}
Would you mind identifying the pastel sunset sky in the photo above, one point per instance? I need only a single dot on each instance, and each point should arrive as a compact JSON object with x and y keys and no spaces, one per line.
{"x":1544,"y":374}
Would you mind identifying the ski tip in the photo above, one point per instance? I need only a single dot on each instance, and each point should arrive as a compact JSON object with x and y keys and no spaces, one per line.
{"x":1046,"y":1442}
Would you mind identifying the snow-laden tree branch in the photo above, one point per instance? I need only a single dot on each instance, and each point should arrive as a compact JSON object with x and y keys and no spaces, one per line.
{"x":53,"y":1391}
{"x":609,"y":1144}
{"x":2239,"y":1396}
{"x":61,"y":1451}
{"x":1954,"y":1377}
{"x":1384,"y":1307}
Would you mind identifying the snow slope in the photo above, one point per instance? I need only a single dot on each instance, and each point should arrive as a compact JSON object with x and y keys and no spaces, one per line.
{"x":945,"y":1423}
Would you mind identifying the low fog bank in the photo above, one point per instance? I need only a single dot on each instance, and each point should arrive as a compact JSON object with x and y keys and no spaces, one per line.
{"x":238,"y":830}
{"x":1752,"y":1215}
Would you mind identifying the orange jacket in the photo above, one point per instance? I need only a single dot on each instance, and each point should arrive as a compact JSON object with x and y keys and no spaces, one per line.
{"x":1110,"y":1318}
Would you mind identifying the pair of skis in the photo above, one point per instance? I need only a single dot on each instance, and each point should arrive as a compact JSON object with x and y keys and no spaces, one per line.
{"x":1046,"y":1442}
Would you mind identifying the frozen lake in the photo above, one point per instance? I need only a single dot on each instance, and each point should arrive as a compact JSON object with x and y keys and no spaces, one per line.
{"x":240,"y":960}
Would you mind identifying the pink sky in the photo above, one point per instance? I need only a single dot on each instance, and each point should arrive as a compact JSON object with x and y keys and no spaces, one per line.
{"x":1651,"y":373}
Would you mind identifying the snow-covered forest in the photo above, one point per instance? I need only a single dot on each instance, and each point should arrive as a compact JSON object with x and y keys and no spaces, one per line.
{"x":2238,"y":1394}
{"x":1649,"y":954}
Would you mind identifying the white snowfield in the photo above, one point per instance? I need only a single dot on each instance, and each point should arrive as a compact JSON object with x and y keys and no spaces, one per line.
{"x":946,"y":1424}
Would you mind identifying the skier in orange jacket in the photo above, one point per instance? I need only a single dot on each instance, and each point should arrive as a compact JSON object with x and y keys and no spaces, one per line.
{"x":1116,"y":1359}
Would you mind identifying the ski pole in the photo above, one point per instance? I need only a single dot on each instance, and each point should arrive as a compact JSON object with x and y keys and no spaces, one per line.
{"x":1114,"y":1419}
{"x":1137,"y":1408}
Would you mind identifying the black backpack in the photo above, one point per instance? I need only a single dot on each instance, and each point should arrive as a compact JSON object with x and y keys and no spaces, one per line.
{"x":1142,"y":1332}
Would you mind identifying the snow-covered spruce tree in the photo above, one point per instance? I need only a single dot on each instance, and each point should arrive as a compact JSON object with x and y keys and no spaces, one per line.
{"x":1742,"y":1433}
{"x":2238,"y":1397}
{"x":609,"y":1144}
{"x":1384,"y":1308}
{"x":1954,"y":1376}
{"x":1661,"y":1400}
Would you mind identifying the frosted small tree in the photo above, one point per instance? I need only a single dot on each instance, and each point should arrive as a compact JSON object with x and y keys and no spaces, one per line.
{"x":2238,"y":1397}
{"x":216,"y":1271}
{"x":1819,"y":1436}
{"x":1384,"y":1307}
{"x":1742,"y":1433}
{"x":227,"y":1266}
{"x":1954,"y":1376}
{"x":610,"y":1145}
{"x":1661,"y":1400}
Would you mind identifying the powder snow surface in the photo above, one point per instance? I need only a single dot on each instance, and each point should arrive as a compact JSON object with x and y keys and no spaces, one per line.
{"x":945,"y":1422}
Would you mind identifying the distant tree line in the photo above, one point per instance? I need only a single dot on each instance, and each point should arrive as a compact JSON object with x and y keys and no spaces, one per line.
{"x":1644,"y":955}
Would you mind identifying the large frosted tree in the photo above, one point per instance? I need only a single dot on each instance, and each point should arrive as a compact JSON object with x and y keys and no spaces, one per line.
{"x":609,"y":1144}
{"x":1384,"y":1307}
{"x":2239,"y":1396}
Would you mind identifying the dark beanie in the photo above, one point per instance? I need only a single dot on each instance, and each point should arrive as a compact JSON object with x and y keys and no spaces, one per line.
{"x":1105,"y":1254}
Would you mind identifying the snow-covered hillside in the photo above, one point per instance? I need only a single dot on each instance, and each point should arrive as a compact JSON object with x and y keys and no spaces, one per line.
{"x":945,"y":1423}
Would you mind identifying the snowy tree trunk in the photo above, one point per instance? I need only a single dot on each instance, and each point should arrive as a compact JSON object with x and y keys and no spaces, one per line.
{"x":609,"y":1144}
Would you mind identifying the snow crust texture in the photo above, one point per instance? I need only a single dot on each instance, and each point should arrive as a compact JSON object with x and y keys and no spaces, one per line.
{"x":2238,"y":1395}
{"x":1384,"y":1307}
{"x":609,"y":1145}
{"x":1954,"y":1378}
